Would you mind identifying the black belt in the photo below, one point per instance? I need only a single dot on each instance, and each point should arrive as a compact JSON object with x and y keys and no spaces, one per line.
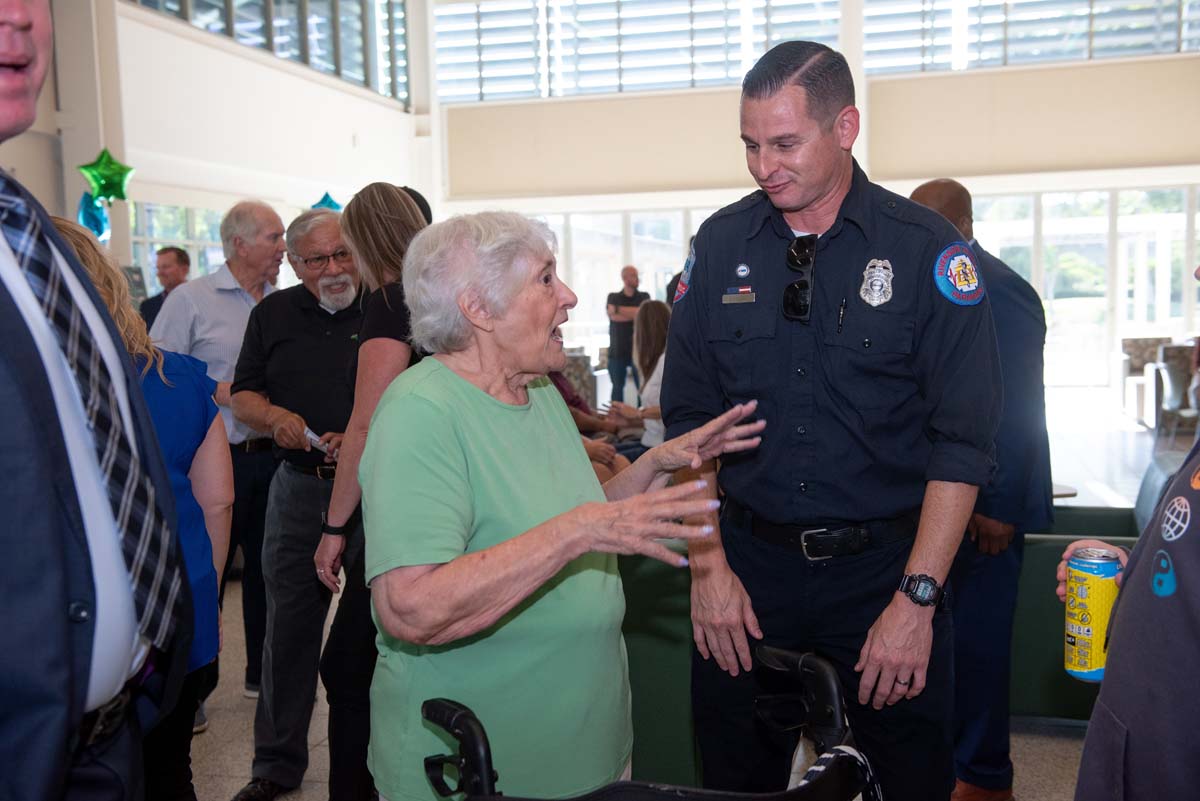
{"x":826,"y":542}
{"x":257,"y":445}
{"x":102,"y":722}
{"x":325,"y":472}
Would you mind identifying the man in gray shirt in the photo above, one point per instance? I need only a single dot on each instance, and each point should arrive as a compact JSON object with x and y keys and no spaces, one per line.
{"x":206,"y":318}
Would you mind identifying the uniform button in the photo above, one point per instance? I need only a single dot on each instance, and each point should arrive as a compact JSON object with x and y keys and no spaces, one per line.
{"x":866,"y":343}
{"x":738,"y":333}
{"x":801,"y":430}
{"x":891,"y":204}
{"x":803,"y":486}
{"x":79,"y":612}
{"x":801,"y":371}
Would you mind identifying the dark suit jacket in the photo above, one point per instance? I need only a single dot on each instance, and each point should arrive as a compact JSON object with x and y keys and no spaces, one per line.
{"x":1021,"y":491}
{"x":151,"y":307}
{"x":48,"y":615}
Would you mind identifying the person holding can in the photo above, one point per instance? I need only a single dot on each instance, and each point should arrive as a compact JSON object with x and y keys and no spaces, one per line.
{"x":1138,"y":745}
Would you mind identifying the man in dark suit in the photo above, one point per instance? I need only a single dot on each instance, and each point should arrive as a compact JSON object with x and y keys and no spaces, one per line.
{"x":171,"y":267}
{"x":983,"y":580}
{"x":96,"y":616}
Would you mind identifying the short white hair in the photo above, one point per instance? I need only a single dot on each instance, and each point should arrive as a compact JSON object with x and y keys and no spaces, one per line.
{"x":306,"y":222}
{"x":241,"y":221}
{"x":475,"y":254}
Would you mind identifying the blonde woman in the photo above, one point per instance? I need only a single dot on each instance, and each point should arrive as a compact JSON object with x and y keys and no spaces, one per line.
{"x":192,"y":437}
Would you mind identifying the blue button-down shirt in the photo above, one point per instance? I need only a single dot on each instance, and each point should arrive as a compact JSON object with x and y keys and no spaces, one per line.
{"x":206,"y":319}
{"x":864,"y":404}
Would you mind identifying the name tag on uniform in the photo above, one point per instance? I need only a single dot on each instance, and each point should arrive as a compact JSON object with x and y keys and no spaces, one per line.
{"x":738,"y":294}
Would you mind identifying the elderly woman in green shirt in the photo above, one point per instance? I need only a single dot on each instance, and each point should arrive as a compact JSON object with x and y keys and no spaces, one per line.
{"x":491,"y":547}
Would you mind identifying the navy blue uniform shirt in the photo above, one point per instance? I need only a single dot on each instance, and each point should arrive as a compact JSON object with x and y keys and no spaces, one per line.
{"x":868,"y":401}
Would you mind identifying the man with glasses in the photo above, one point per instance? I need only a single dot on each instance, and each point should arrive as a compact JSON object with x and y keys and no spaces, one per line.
{"x":858,"y":321}
{"x":294,"y":380}
{"x":206,"y":318}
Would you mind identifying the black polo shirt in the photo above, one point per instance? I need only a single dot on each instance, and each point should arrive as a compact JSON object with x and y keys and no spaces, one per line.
{"x":894,"y":382}
{"x":620,"y":334}
{"x":298,"y":354}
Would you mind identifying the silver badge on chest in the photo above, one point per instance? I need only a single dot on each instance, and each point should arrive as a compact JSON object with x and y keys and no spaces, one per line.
{"x":877,"y":282}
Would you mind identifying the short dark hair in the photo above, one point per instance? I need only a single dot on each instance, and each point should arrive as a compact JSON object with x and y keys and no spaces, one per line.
{"x":820,"y":71}
{"x":180,"y":254}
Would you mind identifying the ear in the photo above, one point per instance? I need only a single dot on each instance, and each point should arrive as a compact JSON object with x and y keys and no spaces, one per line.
{"x":845,"y":127}
{"x":297,"y":265}
{"x":477,"y":314}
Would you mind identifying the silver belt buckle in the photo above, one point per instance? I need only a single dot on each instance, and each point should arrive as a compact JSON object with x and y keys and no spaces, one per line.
{"x":804,"y":544}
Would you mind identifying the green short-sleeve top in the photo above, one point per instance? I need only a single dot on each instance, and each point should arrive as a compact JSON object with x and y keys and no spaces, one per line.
{"x":449,"y":470}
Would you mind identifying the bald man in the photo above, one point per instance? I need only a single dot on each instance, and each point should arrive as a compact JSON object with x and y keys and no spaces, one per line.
{"x":986,"y":569}
{"x":622,"y":309}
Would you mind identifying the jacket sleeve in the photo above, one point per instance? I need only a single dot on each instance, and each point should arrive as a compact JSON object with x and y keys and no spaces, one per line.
{"x":1021,"y":336}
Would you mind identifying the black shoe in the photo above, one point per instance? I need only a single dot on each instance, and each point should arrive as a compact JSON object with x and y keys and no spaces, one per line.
{"x":261,"y":790}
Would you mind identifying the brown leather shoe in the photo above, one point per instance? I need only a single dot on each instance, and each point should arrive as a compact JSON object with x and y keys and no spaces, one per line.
{"x":965,"y":791}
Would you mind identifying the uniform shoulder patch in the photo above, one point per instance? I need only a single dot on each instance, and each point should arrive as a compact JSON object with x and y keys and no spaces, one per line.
{"x":957,"y":277}
{"x":685,"y":278}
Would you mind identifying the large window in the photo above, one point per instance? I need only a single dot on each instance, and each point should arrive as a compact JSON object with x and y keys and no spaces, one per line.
{"x":498,"y":49}
{"x":361,"y":41}
{"x":155,"y":226}
{"x":915,"y":35}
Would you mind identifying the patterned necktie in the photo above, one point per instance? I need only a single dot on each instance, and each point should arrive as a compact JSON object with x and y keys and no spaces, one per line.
{"x":147,"y":542}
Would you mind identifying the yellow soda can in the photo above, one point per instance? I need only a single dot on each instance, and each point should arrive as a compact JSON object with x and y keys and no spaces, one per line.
{"x":1091,"y":593}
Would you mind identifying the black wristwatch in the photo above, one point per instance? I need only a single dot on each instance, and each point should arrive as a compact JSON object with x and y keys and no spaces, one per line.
{"x":921,"y":589}
{"x":334,"y":531}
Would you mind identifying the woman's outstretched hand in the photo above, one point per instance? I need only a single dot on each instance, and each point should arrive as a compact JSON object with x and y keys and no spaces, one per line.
{"x":634,"y":525}
{"x":724,"y":434}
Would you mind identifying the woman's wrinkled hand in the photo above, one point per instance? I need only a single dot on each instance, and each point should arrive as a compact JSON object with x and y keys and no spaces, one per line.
{"x":633,"y":525}
{"x":724,"y":434}
{"x":1061,"y":573}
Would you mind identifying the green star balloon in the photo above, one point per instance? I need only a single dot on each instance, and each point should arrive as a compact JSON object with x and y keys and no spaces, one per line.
{"x":108,"y":177}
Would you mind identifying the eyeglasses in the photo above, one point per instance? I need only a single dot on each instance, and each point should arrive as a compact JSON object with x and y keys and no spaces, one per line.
{"x":341,"y":256}
{"x":797,"y":296}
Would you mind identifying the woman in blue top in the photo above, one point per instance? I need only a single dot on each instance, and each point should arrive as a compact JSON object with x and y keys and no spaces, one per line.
{"x":192,"y":437}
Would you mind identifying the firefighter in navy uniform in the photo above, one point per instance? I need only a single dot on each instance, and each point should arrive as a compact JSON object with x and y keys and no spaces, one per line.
{"x":860,"y":323}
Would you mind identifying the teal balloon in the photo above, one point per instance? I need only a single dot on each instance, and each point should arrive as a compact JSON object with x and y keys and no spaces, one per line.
{"x":93,"y":216}
{"x":327,"y":202}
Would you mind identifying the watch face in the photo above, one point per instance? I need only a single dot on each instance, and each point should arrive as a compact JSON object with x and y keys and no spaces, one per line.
{"x":924,"y":591}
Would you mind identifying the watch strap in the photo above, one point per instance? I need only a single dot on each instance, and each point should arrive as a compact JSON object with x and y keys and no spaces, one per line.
{"x":338,"y":531}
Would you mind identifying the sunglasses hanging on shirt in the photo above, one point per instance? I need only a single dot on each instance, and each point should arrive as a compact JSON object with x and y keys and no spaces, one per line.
{"x":798,"y":295}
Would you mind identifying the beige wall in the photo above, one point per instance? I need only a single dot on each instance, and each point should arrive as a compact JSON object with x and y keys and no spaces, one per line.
{"x":620,"y":143}
{"x":1102,"y":115}
{"x":208,"y":114}
{"x":1129,"y":113}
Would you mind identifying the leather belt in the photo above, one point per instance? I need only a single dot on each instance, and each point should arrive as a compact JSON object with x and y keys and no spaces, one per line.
{"x":257,"y":445}
{"x":103,"y":722}
{"x":325,"y":472}
{"x":818,"y":543}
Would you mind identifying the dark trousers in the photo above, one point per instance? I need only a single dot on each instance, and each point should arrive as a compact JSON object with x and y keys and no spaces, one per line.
{"x":347,"y":665}
{"x":617,"y":368}
{"x":252,"y":473}
{"x":984,"y":601}
{"x":826,"y":607}
{"x":108,"y":770}
{"x":296,"y":606}
{"x":168,"y":746}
